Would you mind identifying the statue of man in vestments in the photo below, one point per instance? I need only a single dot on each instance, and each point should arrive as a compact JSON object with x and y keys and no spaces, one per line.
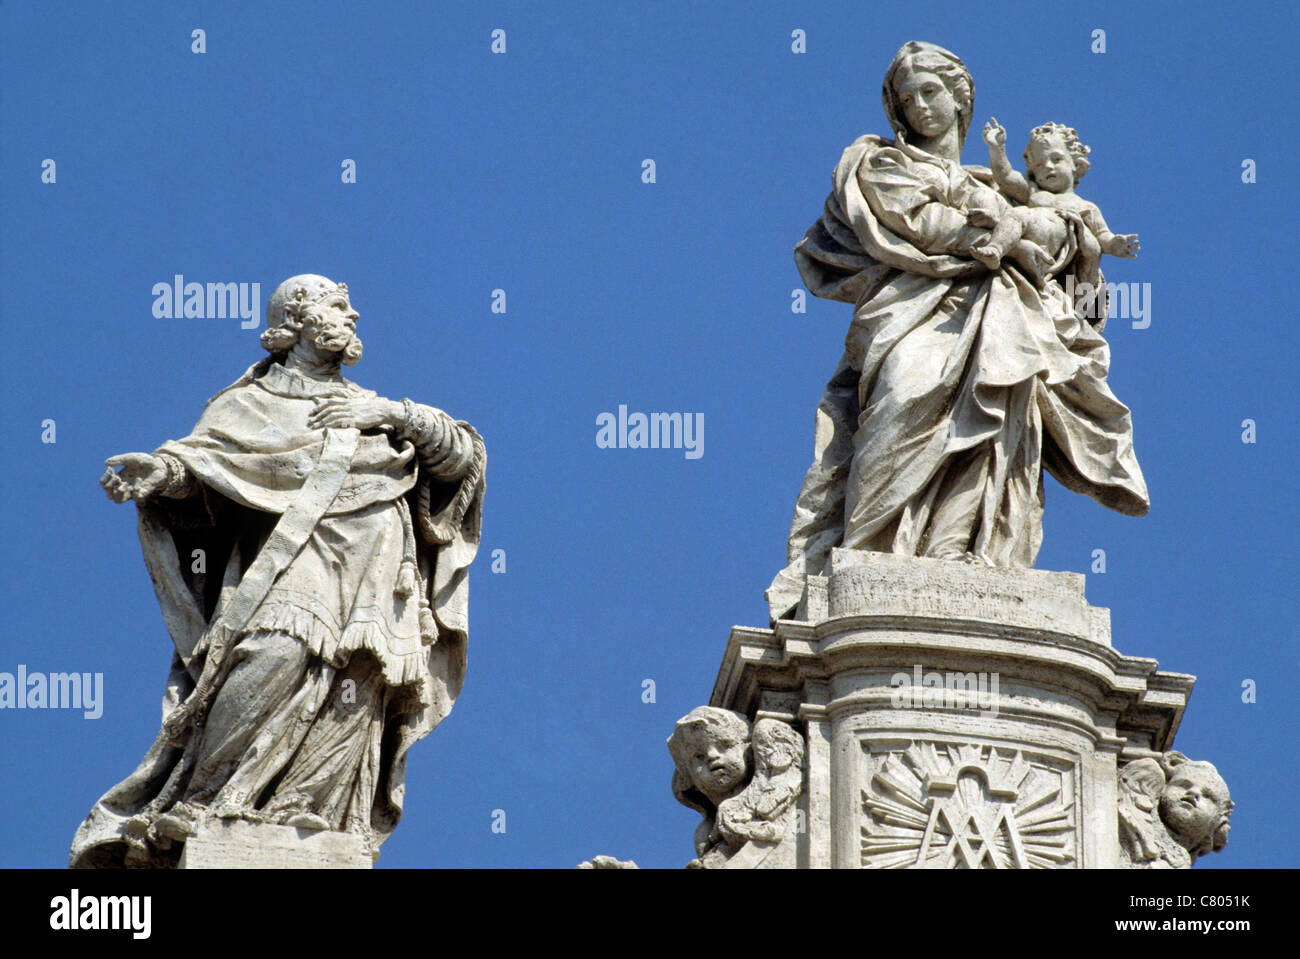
{"x":309,"y":544}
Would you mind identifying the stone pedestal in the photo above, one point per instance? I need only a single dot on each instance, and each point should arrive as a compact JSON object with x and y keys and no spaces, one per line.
{"x":955,"y":715}
{"x":236,"y":844}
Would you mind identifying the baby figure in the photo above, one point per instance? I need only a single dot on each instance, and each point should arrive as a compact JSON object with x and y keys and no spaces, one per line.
{"x":1056,"y":161}
{"x":1195,"y":805}
{"x":745,"y":781}
{"x":1172,"y":811}
{"x":713,"y":758}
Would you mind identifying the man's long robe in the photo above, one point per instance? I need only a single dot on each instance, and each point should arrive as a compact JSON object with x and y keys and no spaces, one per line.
{"x":354,"y":651}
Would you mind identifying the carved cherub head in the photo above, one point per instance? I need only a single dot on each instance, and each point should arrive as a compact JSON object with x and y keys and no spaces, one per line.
{"x":1171,"y":811}
{"x":711,"y":751}
{"x":926,"y":89}
{"x":1054,"y":158}
{"x":316,"y":309}
{"x":745,"y":781}
{"x":1194,"y":804}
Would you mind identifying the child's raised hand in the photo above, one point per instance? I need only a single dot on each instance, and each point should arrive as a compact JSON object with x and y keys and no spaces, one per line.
{"x":994,"y":134}
{"x":1124,"y":244}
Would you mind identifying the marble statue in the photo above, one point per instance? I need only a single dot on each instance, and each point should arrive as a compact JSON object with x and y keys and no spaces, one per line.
{"x":1171,"y":811}
{"x":972,"y":362}
{"x":308,"y":543}
{"x":745,"y":782}
{"x":1056,"y":161}
{"x":924,"y":698}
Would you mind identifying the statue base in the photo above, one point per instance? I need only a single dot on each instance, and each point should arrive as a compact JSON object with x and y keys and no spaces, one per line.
{"x":955,"y":715}
{"x":237,"y":844}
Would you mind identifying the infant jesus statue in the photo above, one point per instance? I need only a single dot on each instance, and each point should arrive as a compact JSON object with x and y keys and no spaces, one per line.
{"x":1055,"y":161}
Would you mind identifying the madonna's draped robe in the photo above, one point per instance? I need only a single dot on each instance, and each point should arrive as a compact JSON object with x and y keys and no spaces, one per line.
{"x":957,"y":385}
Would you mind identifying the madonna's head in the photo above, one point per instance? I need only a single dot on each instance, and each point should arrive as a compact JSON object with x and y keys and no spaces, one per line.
{"x":927,"y":90}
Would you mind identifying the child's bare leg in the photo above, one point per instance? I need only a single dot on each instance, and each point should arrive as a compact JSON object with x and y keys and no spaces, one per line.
{"x":1008,"y":231}
{"x":985,"y":206}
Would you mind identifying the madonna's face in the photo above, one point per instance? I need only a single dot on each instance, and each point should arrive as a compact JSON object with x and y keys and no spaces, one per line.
{"x":927,"y":105}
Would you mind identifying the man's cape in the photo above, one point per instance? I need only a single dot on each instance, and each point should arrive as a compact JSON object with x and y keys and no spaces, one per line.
{"x":245,"y":437}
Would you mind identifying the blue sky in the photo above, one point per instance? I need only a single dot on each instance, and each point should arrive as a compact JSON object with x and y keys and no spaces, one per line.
{"x":522,"y":172}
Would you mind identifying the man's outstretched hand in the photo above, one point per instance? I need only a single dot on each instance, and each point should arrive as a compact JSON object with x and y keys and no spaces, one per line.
{"x":142,"y":475}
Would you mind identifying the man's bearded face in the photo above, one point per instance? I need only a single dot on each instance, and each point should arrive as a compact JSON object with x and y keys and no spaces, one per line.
{"x":332,"y":326}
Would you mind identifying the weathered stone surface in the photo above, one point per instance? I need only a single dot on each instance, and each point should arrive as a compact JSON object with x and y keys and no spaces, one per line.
{"x":956,"y":715}
{"x":234,"y":844}
{"x":875,"y":584}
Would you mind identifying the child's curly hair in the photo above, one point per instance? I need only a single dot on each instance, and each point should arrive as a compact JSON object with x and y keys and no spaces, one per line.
{"x":1076,"y":149}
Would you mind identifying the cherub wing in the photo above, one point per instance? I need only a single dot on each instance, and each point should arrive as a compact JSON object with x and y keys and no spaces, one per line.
{"x":1141,"y":782}
{"x":1140,"y":785}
